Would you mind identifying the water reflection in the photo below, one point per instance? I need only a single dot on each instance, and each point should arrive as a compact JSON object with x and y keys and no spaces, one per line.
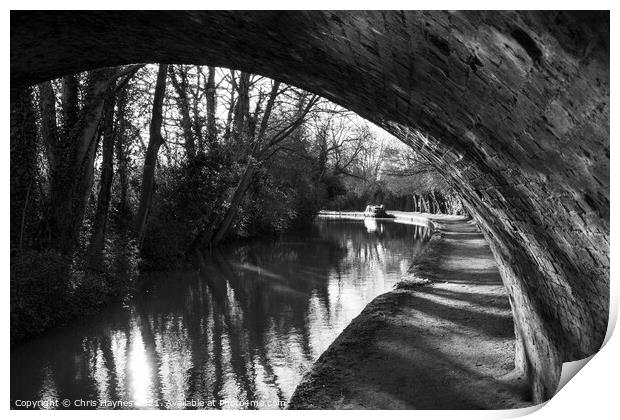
{"x":243,"y":327}
{"x":371,"y":225}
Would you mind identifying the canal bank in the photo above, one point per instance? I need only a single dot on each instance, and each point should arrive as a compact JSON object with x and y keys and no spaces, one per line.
{"x":442,"y":339}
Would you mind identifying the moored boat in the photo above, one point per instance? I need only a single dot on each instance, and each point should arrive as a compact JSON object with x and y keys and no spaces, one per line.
{"x":376,"y":211}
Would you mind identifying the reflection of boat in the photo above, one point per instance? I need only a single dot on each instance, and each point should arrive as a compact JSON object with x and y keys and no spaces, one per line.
{"x":370,"y":224}
{"x":376,"y":212}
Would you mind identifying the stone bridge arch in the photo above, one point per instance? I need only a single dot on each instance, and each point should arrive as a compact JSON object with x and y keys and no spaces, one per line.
{"x":512,"y":107}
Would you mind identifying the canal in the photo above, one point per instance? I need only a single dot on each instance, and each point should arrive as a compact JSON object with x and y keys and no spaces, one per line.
{"x":238,"y":331}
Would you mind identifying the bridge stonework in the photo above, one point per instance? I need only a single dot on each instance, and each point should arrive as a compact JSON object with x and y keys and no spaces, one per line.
{"x":512,"y":107}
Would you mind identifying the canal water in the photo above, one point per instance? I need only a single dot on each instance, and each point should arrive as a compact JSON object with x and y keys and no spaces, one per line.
{"x":239,"y":331}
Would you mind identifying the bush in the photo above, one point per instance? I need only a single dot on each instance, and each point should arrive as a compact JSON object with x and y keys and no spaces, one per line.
{"x":188,"y":198}
{"x":192,"y":197}
{"x":49,"y":289}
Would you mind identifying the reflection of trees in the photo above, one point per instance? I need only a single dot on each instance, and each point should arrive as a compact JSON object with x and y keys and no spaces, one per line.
{"x":236,"y":328}
{"x":67,"y":359}
{"x":363,"y":247}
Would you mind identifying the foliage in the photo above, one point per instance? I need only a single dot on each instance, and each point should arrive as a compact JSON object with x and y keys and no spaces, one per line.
{"x":189,"y":198}
{"x":193,"y":196}
{"x":394,"y":175}
{"x":48,"y":288}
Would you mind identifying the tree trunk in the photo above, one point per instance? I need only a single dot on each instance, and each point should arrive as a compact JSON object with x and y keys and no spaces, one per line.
{"x":49,"y":131}
{"x":242,"y":108}
{"x":86,"y":135}
{"x":72,"y":157}
{"x":49,"y":136}
{"x":182,"y":100}
{"x":23,"y":172}
{"x":434,"y":203}
{"x":231,"y":105}
{"x":155,"y":142}
{"x":441,"y":201}
{"x":105,"y":187}
{"x":235,"y":201}
{"x":70,"y":106}
{"x":424,"y":199}
{"x":122,"y":156}
{"x":211,"y":108}
{"x":197,"y":121}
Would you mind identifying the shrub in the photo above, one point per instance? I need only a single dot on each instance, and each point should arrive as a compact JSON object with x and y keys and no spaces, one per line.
{"x":49,"y":289}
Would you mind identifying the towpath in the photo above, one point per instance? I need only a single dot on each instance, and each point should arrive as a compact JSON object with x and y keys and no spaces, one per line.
{"x":448,"y":344}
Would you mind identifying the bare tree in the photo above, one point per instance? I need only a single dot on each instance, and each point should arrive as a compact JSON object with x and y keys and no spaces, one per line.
{"x":338,"y":141}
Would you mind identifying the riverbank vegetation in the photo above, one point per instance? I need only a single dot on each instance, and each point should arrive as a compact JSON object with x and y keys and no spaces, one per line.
{"x":138,"y":167}
{"x":392,"y":174}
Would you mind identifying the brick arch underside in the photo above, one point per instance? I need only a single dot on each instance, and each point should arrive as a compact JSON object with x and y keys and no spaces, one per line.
{"x":512,"y":107}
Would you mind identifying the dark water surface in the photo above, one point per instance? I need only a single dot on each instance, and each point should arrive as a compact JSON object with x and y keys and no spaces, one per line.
{"x":239,"y":331}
